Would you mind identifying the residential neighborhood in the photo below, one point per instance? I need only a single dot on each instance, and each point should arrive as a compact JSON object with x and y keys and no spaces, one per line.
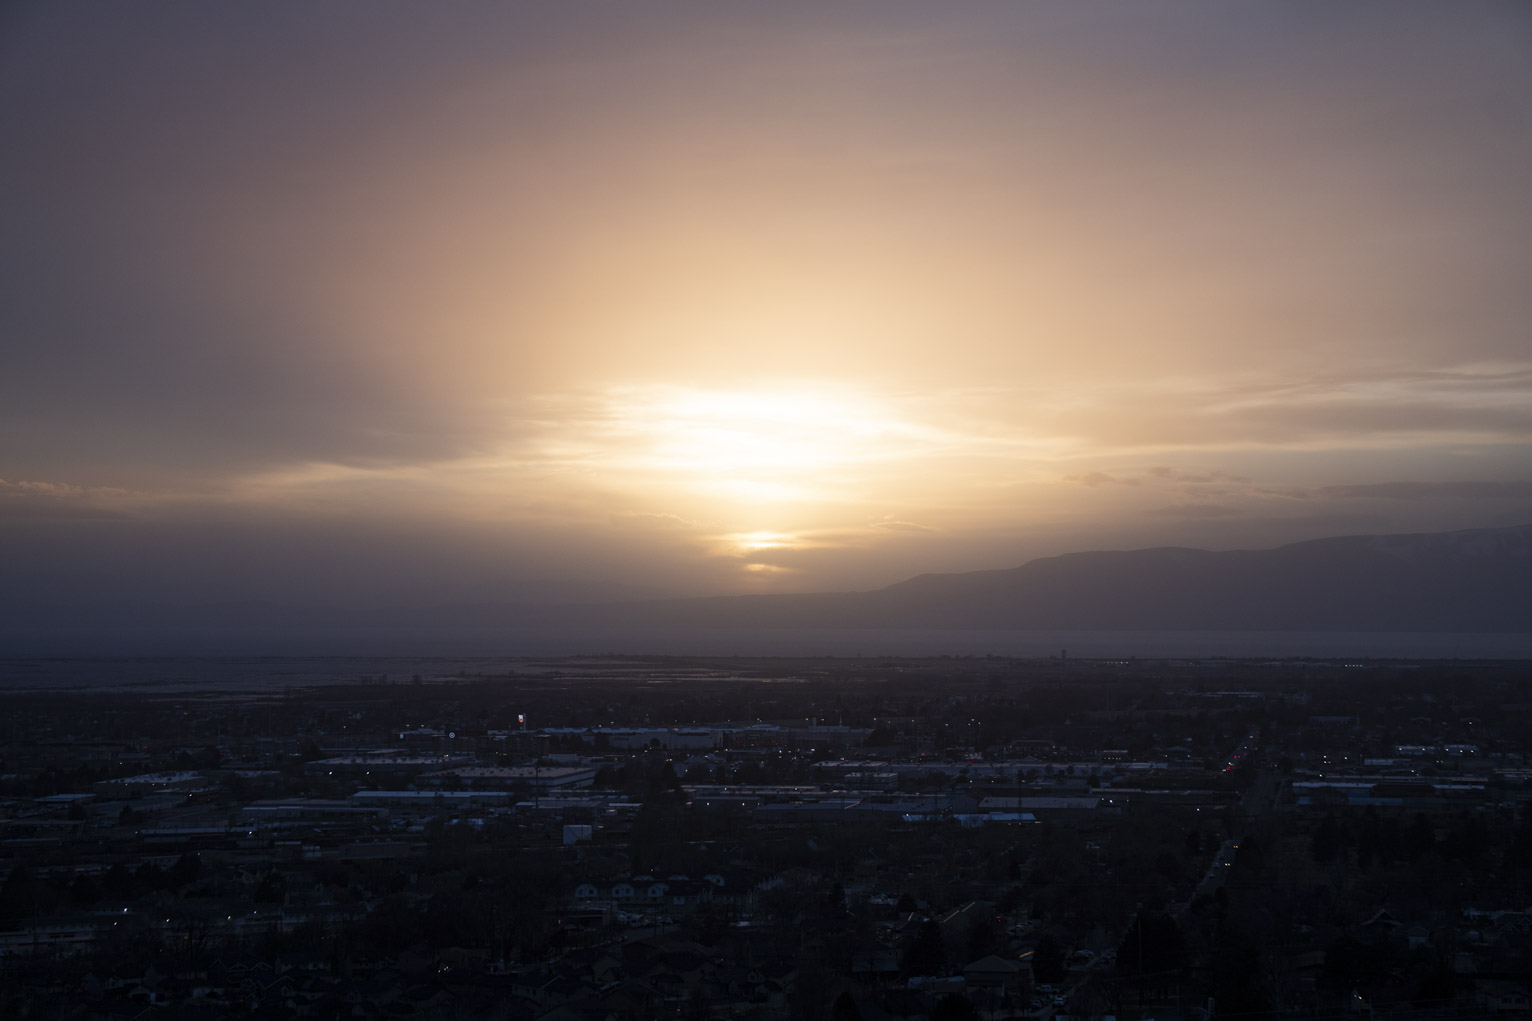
{"x":627,"y":838}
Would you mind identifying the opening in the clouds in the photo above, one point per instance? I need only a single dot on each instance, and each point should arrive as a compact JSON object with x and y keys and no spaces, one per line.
{"x":781,"y":443}
{"x":754,"y":542}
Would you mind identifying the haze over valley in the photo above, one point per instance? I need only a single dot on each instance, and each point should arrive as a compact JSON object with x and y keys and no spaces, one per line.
{"x":1469,"y":591}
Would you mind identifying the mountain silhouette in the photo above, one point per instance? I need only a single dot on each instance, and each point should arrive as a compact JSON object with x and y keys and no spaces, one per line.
{"x":1478,"y":580}
{"x":1473,"y":580}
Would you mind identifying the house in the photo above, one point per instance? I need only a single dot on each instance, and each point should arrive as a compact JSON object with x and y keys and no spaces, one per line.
{"x":874,"y":961}
{"x":121,"y":1010}
{"x":1416,"y":936}
{"x":994,"y":972}
{"x":733,"y":890}
{"x":1499,"y":997}
{"x":685,"y":894}
{"x":648,"y":890}
{"x":957,"y":923}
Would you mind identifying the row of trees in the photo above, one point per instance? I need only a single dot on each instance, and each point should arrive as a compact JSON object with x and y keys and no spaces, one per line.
{"x":27,"y":894}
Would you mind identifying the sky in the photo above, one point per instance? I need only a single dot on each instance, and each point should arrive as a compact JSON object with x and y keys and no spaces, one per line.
{"x":391,"y":304}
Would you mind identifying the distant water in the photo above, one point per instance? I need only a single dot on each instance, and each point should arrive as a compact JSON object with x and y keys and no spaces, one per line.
{"x":253,"y":661}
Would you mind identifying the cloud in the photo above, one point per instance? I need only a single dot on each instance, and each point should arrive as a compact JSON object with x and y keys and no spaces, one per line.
{"x":1288,"y":493}
{"x":1521,"y":490}
{"x":1205,"y":478}
{"x":1361,"y":406}
{"x":32,"y":500}
{"x":1199,"y":511}
{"x":31,"y":488}
{"x":1353,"y":419}
{"x":1094,"y":479}
{"x":12,"y":510}
{"x":1160,"y":475}
{"x":787,"y":558}
{"x":901,"y":526}
{"x":653,"y":521}
{"x":520,"y":273}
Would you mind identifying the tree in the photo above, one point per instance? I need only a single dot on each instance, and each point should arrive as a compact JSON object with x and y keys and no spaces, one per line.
{"x":709,"y":924}
{"x":845,"y":1009}
{"x":983,"y":940}
{"x":1326,"y":843}
{"x":1419,"y":837}
{"x":84,"y":891}
{"x":954,"y":1007}
{"x":20,"y":896}
{"x":118,"y":882}
{"x":1153,"y":944}
{"x":698,"y":1006}
{"x":926,"y":954}
{"x":1048,"y":964}
{"x":271,"y":889}
{"x":1437,"y":984}
{"x":1348,"y":962}
{"x":186,"y":869}
{"x":1236,"y":973}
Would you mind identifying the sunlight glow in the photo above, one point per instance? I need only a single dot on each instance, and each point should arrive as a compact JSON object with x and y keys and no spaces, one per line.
{"x":779,"y":444}
{"x":728,"y":431}
{"x":751,"y":542}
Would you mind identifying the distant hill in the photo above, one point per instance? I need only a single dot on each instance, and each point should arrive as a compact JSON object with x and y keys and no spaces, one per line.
{"x":1478,"y":580}
{"x":1465,"y":581}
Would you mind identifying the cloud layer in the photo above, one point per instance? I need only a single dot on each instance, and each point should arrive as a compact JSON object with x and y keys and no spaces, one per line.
{"x":344,"y":304}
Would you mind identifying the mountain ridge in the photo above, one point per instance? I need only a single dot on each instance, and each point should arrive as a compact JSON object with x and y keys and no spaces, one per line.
{"x":1470,"y":580}
{"x":1467,"y":580}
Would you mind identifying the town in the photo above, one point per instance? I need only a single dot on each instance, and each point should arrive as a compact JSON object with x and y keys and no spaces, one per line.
{"x":610,"y":838}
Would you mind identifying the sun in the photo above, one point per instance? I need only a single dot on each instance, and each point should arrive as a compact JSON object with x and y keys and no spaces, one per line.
{"x":767,"y":478}
{"x":765,"y":444}
{"x":755,"y":542}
